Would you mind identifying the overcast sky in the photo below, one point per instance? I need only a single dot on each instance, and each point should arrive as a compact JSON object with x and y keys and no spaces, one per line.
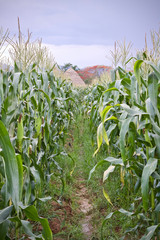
{"x":82,"y":32}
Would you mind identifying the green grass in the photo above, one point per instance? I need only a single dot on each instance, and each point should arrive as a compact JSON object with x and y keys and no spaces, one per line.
{"x":78,"y":145}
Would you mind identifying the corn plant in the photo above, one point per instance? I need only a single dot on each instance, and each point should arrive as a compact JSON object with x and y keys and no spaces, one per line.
{"x":130,"y":126}
{"x":3,"y":38}
{"x":26,"y":52}
{"x":90,"y":106}
{"x":35,"y":111}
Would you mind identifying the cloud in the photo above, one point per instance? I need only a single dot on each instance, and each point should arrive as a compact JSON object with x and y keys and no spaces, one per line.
{"x":85,"y":22}
{"x":81,"y":55}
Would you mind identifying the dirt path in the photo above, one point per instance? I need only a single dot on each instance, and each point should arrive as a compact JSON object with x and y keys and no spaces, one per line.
{"x":86,"y":208}
{"x":76,"y":146}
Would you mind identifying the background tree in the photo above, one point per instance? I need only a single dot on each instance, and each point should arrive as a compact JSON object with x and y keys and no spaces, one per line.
{"x":69,"y":65}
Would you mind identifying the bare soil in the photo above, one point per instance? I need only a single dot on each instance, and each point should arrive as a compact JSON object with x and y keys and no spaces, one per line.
{"x":86,"y":208}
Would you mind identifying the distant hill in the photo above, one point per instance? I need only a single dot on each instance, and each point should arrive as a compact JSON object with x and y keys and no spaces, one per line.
{"x":90,"y":73}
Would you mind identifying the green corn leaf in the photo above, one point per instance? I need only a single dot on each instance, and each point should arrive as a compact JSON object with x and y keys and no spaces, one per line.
{"x":38,"y":123}
{"x":46,"y":96}
{"x":12,"y":166}
{"x":115,"y":161}
{"x":104,"y":112}
{"x":153,"y":92}
{"x":150,"y":232}
{"x":4,"y":213}
{"x":16,"y":68}
{"x":133,"y":89}
{"x":100,"y":109}
{"x":110,"y":215}
{"x":101,"y":134}
{"x":123,"y":132}
{"x":32,"y":214}
{"x":45,"y":199}
{"x":4,"y":229}
{"x":157,"y":142}
{"x":34,"y":102}
{"x":46,"y":134}
{"x":131,"y":111}
{"x":127,"y":213}
{"x":137,"y":66}
{"x":107,"y":196}
{"x":113,"y":74}
{"x":110,"y":129}
{"x":155,"y":126}
{"x":27,"y":227}
{"x":27,"y":191}
{"x":154,"y":67}
{"x":153,"y":88}
{"x":111,"y":118}
{"x":45,"y":81}
{"x":99,"y":137}
{"x":27,"y":183}
{"x":104,"y":134}
{"x":16,"y":78}
{"x":137,"y":185}
{"x":157,"y":209}
{"x":74,"y":164}
{"x":112,"y":160}
{"x":110,"y":89}
{"x":150,"y":108}
{"x":20,"y":133}
{"x":121,"y":72}
{"x":20,"y":171}
{"x":126,"y":82}
{"x":36,"y":175}
{"x":147,"y":172}
{"x":107,"y":172}
{"x":95,"y":167}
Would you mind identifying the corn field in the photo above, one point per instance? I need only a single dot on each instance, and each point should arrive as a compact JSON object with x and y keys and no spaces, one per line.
{"x":126,"y":115}
{"x":35,"y":111}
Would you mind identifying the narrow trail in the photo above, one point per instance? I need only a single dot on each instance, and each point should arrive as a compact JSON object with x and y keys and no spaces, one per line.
{"x":86,"y":208}
{"x":78,"y":202}
{"x":83,"y":208}
{"x":84,"y":200}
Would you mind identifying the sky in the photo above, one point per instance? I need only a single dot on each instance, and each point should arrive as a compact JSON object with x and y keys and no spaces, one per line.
{"x":82,"y":32}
